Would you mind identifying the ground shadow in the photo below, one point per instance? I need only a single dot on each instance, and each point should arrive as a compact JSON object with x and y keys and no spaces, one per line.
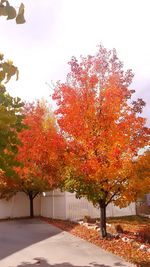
{"x":16,"y":235}
{"x":41,"y":262}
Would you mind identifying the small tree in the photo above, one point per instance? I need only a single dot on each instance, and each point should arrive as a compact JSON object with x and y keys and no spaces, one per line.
{"x":41,"y":153}
{"x":40,"y":156}
{"x":104,"y":130}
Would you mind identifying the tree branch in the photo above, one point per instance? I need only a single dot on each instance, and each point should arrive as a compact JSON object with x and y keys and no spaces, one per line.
{"x":35,"y":194}
{"x":115,"y":193}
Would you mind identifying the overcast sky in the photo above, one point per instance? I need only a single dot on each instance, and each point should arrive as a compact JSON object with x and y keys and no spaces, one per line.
{"x":56,"y":30}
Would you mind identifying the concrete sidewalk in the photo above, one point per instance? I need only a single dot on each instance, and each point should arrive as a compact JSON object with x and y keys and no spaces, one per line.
{"x":32,"y":243}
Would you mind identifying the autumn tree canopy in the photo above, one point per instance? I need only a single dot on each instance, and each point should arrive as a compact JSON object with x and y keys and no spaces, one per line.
{"x":104,"y":129}
{"x":41,"y":153}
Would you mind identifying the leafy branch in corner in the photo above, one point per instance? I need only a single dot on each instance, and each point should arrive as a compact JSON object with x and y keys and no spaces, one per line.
{"x":11,"y":12}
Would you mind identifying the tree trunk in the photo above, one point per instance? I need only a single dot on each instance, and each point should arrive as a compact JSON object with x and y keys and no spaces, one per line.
{"x":103,"y":218}
{"x":31,"y":205}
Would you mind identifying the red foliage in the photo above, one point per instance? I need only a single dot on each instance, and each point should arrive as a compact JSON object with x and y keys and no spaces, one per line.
{"x":144,"y":234}
{"x":42,"y":148}
{"x":128,"y":251}
{"x":105,"y":130}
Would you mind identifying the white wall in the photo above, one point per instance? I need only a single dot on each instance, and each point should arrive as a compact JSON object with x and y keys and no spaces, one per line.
{"x":116,"y":211}
{"x":65,"y":206}
{"x":78,"y":208}
{"x":47,"y":206}
{"x":57,"y":205}
{"x":53,"y":205}
{"x":18,"y":206}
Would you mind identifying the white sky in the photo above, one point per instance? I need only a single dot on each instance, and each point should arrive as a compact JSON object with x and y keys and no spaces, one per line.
{"x":56,"y":30}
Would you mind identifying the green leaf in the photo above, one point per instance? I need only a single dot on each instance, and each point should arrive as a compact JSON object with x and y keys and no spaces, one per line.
{"x":2,"y":76}
{"x":17,"y":74}
{"x":11,"y":12}
{"x":20,"y":16}
{"x":1,"y":56}
{"x":9,"y":71}
{"x":21,"y":9}
{"x":3,"y":11}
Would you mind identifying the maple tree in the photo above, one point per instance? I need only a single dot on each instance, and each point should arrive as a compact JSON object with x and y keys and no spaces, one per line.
{"x":104,"y":131}
{"x":41,"y":155}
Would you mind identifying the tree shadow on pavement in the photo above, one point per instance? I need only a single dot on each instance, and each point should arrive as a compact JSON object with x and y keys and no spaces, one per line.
{"x":16,"y":235}
{"x":41,"y":262}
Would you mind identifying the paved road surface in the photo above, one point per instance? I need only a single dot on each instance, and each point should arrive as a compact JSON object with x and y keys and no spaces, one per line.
{"x":34,"y":243}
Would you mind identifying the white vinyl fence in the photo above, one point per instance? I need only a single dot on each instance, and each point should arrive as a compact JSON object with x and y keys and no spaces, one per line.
{"x":57,"y":205}
{"x":18,"y":206}
{"x":66,"y":206}
{"x":53,"y":205}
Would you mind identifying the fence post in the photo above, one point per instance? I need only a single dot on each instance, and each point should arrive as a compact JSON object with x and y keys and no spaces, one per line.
{"x":53,"y":209}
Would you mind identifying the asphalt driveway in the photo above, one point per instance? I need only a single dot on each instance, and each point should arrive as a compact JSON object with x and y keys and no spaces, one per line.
{"x":33,"y":243}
